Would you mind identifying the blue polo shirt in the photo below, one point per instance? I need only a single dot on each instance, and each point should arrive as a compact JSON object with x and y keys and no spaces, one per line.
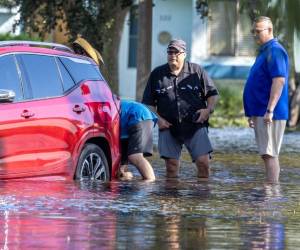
{"x":132,"y":113}
{"x":272,"y":61}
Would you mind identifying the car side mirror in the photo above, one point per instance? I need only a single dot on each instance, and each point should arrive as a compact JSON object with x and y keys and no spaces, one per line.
{"x":7,"y":95}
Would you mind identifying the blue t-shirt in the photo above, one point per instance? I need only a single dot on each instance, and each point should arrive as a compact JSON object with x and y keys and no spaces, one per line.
{"x":132,"y":113}
{"x":272,"y":61}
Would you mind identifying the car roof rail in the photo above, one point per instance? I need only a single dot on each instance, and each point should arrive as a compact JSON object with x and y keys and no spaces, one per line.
{"x":55,"y":46}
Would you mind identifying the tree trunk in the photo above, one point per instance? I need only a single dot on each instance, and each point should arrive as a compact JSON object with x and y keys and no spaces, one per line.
{"x":144,"y":48}
{"x":111,"y":51}
{"x":295,"y":103}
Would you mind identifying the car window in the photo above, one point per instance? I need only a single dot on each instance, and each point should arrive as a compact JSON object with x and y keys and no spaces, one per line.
{"x":81,"y":69}
{"x":9,"y":77}
{"x":66,"y":78}
{"x":43,"y":75}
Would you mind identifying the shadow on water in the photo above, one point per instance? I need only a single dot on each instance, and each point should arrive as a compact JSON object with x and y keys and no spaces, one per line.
{"x":235,"y":209}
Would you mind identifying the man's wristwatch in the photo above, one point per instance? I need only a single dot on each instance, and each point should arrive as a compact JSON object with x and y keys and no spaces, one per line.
{"x":269,"y":111}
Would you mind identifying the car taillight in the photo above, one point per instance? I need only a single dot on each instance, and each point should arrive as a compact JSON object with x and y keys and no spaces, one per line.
{"x":105,"y":113}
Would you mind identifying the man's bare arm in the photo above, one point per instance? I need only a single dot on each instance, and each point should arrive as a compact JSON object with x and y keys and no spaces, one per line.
{"x":204,"y":113}
{"x":162,"y":123}
{"x":276,"y":90}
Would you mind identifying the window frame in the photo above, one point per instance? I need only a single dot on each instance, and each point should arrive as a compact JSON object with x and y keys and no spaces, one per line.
{"x":26,"y":77}
{"x":238,"y":49}
{"x":132,"y":36}
{"x":99,"y":75}
{"x":57,"y":61}
{"x":26,"y":87}
{"x":19,"y":76}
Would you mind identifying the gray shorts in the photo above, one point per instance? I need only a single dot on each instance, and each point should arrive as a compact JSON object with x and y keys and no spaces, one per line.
{"x":140,"y":140}
{"x":170,"y":148}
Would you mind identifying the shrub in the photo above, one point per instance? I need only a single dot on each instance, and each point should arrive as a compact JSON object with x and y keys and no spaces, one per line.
{"x":229,"y":109}
{"x":22,"y":36}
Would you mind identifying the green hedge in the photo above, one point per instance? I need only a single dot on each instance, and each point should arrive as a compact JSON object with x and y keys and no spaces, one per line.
{"x":229,"y":109}
{"x":23,"y":36}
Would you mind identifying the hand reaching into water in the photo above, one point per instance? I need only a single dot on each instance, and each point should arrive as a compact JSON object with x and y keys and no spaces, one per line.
{"x":124,"y":174}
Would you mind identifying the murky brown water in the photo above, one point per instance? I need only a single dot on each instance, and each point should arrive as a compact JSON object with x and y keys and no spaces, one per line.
{"x":235,"y":209}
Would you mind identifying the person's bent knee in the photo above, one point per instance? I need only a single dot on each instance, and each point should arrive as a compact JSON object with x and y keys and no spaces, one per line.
{"x":143,"y":166}
{"x":135,"y":159}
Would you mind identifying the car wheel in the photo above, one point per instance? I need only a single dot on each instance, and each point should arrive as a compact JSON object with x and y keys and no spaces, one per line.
{"x":92,"y":164}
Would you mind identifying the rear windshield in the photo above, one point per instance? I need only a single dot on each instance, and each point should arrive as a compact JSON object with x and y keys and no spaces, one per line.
{"x":81,"y":69}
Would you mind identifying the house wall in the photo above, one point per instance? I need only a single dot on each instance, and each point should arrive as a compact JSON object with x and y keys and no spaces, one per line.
{"x":7,"y":19}
{"x":179,"y":19}
{"x":171,"y":17}
{"x":296,"y":51}
{"x":174,"y":17}
{"x":199,"y":46}
{"x":127,"y":76}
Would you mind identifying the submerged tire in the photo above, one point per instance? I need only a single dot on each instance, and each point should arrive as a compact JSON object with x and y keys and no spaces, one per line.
{"x":92,"y":164}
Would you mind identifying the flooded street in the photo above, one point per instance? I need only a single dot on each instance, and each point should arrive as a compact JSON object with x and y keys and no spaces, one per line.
{"x":235,"y":209}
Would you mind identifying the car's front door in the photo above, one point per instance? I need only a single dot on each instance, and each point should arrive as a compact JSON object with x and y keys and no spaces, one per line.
{"x":18,"y":145}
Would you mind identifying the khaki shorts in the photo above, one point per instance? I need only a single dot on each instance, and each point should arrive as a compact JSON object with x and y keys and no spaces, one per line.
{"x":268,"y":136}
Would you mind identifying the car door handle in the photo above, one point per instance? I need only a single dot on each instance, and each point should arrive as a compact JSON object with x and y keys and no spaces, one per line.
{"x":78,"y":109}
{"x":27,"y":114}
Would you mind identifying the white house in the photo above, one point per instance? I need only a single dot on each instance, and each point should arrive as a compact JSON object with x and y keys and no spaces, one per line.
{"x":7,"y":20}
{"x":222,"y":43}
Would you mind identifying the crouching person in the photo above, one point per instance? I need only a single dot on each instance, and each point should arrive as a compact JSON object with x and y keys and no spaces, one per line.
{"x":137,"y":123}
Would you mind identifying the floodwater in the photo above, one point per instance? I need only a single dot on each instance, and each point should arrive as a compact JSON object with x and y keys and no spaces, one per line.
{"x":235,"y":209}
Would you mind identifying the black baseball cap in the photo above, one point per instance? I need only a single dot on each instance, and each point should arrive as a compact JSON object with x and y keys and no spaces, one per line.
{"x":178,"y":44}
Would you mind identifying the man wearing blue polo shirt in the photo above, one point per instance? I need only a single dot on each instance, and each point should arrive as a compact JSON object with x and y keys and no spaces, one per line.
{"x":266,"y":96}
{"x":137,"y":122}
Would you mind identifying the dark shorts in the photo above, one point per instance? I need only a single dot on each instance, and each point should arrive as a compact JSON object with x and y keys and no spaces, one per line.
{"x":170,"y":148}
{"x":140,"y":140}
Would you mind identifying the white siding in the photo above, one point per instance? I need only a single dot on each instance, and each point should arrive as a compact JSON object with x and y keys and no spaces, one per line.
{"x":199,"y":47}
{"x":8,"y":17}
{"x":175,"y":17}
{"x":127,"y":76}
{"x":297,"y":52}
{"x":180,"y":19}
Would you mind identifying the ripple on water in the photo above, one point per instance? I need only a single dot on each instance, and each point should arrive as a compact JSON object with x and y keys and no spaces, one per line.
{"x":234,"y":209}
{"x":242,"y":140}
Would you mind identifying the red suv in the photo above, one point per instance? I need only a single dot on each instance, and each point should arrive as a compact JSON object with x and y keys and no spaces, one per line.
{"x":58,"y":116}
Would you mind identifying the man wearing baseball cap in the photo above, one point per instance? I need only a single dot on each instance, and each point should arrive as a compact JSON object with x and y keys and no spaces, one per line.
{"x":183,"y":96}
{"x":177,"y":44}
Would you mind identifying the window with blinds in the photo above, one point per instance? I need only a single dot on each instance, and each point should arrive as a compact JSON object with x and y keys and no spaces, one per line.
{"x":245,"y":41}
{"x":229,"y":30}
{"x":133,"y":35}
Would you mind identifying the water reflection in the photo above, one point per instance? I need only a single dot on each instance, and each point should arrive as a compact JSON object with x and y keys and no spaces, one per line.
{"x":56,"y":231}
{"x":267,"y":233}
{"x":229,"y":211}
{"x":52,"y":215}
{"x":243,"y":140}
{"x":263,"y":236}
